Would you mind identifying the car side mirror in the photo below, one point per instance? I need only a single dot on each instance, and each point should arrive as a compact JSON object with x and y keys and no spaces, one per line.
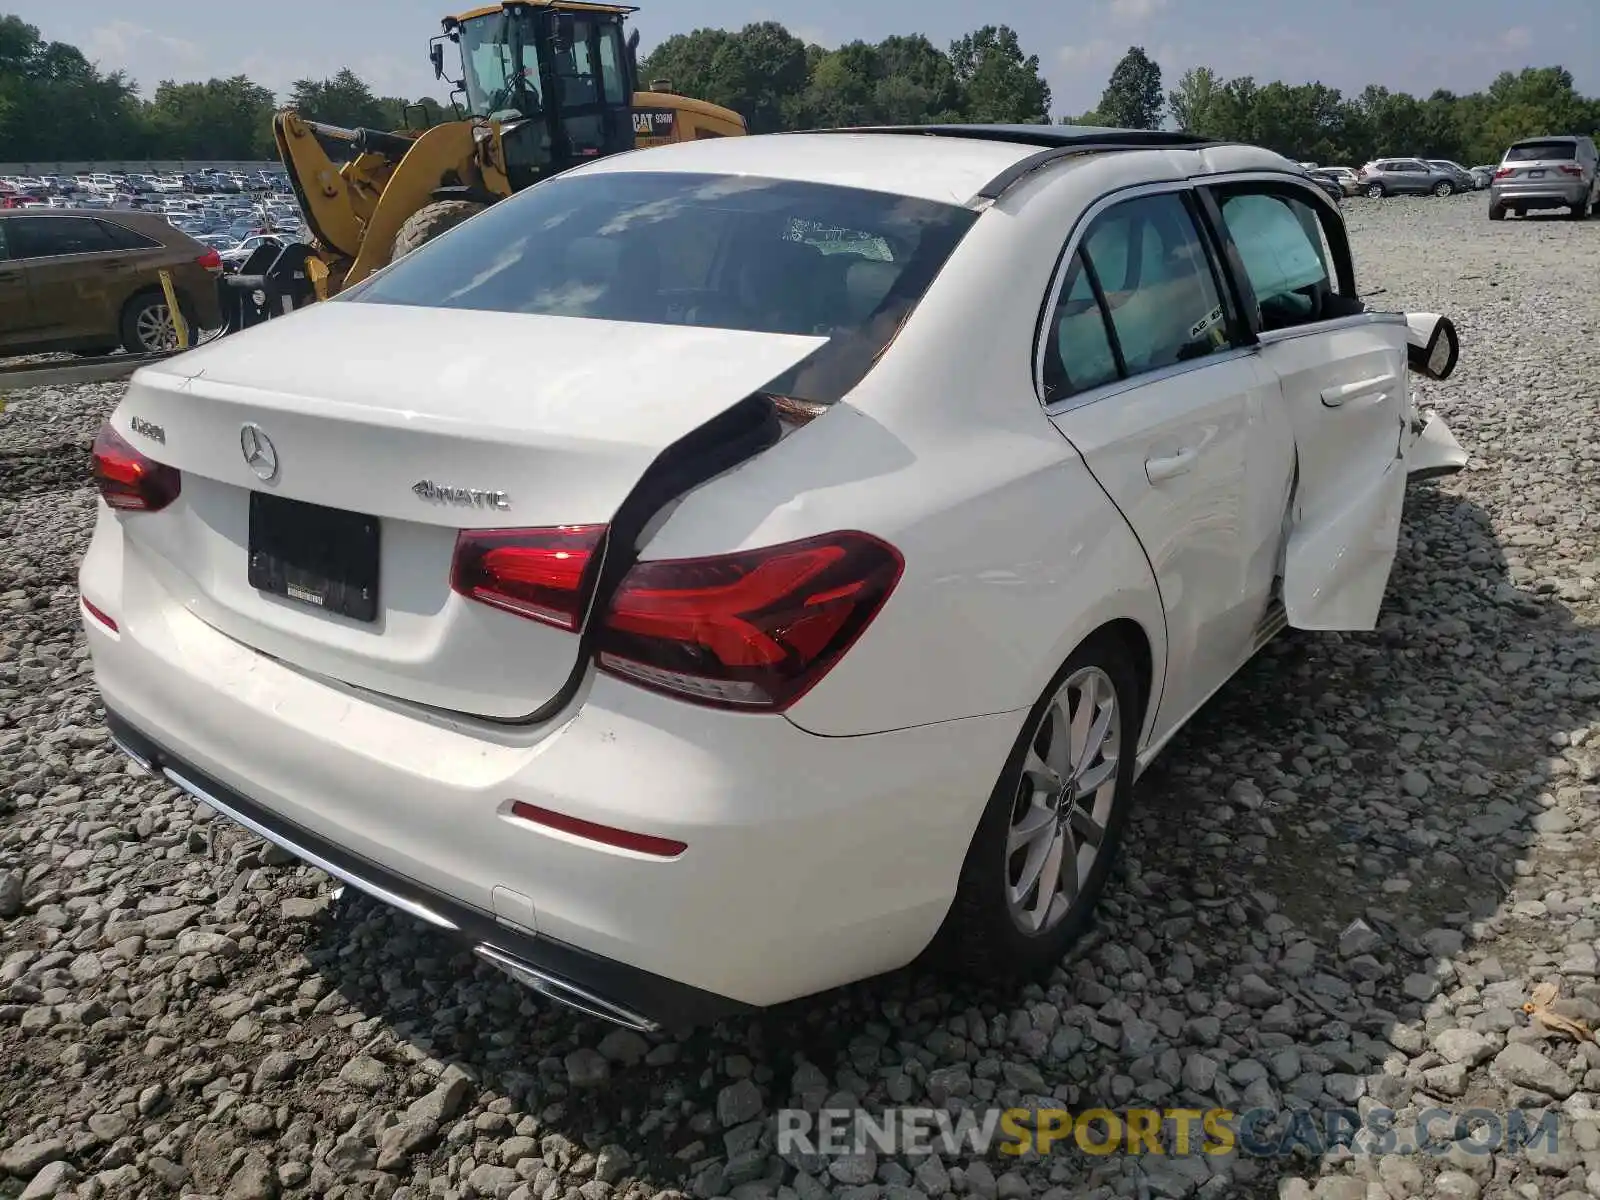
{"x":1434,"y":345}
{"x":436,"y":56}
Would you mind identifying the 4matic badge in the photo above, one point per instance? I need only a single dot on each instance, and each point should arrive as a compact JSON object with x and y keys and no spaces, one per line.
{"x":441,"y":493}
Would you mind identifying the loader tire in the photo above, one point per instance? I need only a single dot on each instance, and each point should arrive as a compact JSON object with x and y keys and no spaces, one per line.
{"x":429,"y":221}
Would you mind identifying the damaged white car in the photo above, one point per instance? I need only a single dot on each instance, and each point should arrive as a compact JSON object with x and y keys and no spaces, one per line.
{"x":724,"y":572}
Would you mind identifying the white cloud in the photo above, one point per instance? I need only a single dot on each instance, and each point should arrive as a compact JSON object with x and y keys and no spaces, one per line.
{"x":1087,"y":54}
{"x":1131,"y":11}
{"x":144,"y":53}
{"x":1516,"y":38}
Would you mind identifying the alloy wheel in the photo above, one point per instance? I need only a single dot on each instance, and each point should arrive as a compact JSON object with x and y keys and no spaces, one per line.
{"x":154,"y":328}
{"x":1064,"y":801}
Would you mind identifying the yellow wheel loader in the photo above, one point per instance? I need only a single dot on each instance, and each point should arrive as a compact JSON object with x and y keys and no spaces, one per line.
{"x":546,"y":85}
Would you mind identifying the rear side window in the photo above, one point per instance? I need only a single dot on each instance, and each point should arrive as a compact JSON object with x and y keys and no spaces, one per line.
{"x":711,"y":251}
{"x":1157,"y":283}
{"x":1552,"y":150}
{"x":1139,"y":295}
{"x":52,"y":237}
{"x":124,"y":238}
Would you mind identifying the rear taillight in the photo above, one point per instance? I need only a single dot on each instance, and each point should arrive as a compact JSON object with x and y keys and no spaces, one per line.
{"x":127,"y":479}
{"x":1570,"y":169}
{"x":753,"y":630}
{"x":536,"y":573}
{"x":210,"y":260}
{"x":1505,"y":172}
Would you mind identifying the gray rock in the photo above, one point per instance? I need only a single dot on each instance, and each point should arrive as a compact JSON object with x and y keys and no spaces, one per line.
{"x":740,"y":1102}
{"x":51,"y":1180}
{"x":1463,"y":1046}
{"x":254,"y":1180}
{"x":587,"y":1068}
{"x":24,"y":1159}
{"x":365,"y":1072}
{"x":1456,"y":1185}
{"x":10,"y":893}
{"x":1526,"y":1067}
{"x":624,"y":1046}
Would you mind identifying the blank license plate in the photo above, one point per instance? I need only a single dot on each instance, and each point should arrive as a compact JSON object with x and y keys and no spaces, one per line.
{"x":321,"y":557}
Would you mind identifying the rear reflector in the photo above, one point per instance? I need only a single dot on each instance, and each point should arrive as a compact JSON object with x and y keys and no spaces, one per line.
{"x":98,"y":614}
{"x":129,"y":480}
{"x":607,"y":835}
{"x":541,"y":574}
{"x":753,"y":630}
{"x":1505,"y":172}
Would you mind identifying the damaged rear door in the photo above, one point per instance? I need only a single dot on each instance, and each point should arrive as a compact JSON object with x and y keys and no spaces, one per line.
{"x":1343,"y":376}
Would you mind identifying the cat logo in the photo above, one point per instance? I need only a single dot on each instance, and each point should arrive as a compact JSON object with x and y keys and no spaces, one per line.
{"x":657,"y":123}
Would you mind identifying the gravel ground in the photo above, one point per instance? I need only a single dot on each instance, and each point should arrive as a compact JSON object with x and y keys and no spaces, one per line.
{"x":1345,"y":879}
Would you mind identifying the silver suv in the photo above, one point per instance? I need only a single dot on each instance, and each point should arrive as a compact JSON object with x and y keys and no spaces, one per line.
{"x":1406,"y":177}
{"x":1546,"y":172}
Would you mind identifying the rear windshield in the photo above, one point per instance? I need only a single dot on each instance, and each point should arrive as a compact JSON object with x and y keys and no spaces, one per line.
{"x":731,"y":252}
{"x":1561,"y":151}
{"x":715,"y":251}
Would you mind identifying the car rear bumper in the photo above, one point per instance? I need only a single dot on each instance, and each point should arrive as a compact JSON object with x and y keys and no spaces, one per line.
{"x":1539,"y":194}
{"x":598,"y":986}
{"x":811,"y":861}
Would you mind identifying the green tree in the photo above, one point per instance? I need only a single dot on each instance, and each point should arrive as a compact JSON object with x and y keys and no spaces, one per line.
{"x":54,"y":104}
{"x":999,"y":84}
{"x":1191,"y":101}
{"x":218,"y":119}
{"x":761,"y":72}
{"x":345,"y":100}
{"x":1133,"y":98}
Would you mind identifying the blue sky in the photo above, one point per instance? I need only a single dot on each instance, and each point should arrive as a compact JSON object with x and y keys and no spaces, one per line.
{"x":1412,"y":45}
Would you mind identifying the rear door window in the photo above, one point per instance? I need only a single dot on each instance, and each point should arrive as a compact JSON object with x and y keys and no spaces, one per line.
{"x":53,"y":237}
{"x":124,"y":238}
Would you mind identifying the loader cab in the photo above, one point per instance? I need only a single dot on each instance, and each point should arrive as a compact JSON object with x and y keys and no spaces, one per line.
{"x":558,"y":81}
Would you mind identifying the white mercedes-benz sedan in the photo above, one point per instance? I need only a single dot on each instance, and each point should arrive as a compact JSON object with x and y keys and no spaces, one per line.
{"x":730,"y":570}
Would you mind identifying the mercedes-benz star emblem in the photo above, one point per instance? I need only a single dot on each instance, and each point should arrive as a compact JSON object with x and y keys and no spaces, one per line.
{"x":260,"y":455}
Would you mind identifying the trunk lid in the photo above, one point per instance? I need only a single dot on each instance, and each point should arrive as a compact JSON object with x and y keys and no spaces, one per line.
{"x":428,"y":421}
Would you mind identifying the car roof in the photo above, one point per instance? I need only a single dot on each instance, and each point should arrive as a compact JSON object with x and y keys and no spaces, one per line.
{"x":955,"y":164}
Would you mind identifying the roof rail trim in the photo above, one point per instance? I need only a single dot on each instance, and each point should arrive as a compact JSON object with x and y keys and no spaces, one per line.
{"x":1054,"y":141}
{"x":1016,"y":172}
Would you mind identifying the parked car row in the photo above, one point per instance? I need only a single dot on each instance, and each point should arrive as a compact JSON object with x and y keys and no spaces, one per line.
{"x":1552,"y":172}
{"x":109,"y":183}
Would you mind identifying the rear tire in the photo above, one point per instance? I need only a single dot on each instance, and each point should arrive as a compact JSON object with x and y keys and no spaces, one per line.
{"x":992,"y":931}
{"x":429,"y":221}
{"x":1580,"y":212}
{"x":147,"y":326}
{"x":1497,"y":212}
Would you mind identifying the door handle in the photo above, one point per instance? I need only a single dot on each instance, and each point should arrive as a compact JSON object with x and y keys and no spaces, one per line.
{"x":1158,"y":469}
{"x":10,"y":276}
{"x":1376,"y":388}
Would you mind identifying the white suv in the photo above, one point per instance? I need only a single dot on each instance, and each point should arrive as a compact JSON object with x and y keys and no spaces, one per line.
{"x":736,"y":569}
